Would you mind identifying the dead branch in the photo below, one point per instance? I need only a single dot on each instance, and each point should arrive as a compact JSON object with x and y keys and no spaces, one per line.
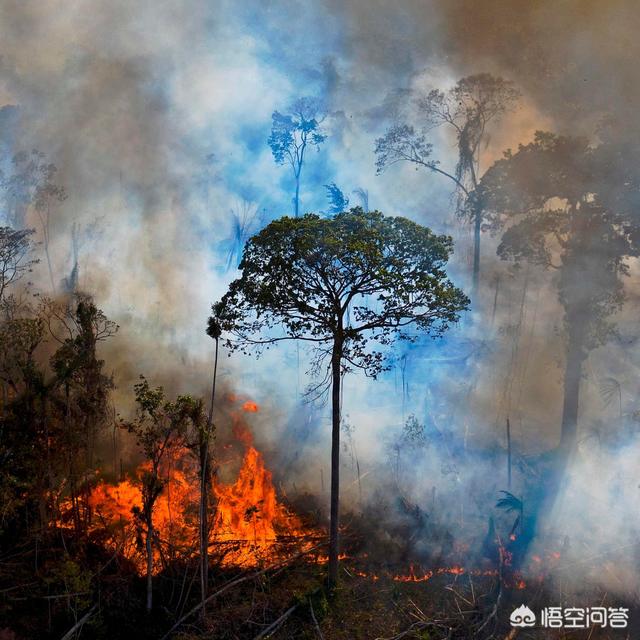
{"x":235,"y":582}
{"x":315,"y":621}
{"x":78,"y":625}
{"x":274,"y":626}
{"x":416,"y":626}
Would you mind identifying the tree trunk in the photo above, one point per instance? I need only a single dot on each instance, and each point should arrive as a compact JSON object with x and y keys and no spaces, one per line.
{"x":205,"y":483}
{"x":149,"y":547}
{"x":572,"y":376}
{"x":296,"y":201}
{"x":477,"y":224}
{"x":335,"y":462}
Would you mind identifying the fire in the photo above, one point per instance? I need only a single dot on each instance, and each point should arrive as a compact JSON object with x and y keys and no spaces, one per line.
{"x":248,"y":512}
{"x":250,"y":525}
{"x":455,"y":570}
{"x":114,"y":508}
{"x":248,"y":518}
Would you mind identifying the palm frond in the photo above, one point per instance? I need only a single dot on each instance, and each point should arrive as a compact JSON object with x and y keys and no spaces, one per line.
{"x":610,"y":389}
{"x":509,"y":502}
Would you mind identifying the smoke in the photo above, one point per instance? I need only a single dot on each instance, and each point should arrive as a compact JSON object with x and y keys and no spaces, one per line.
{"x":157,"y":115}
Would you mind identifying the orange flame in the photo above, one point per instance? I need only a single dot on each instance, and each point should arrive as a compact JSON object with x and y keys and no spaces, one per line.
{"x":248,"y":518}
{"x":248,"y":511}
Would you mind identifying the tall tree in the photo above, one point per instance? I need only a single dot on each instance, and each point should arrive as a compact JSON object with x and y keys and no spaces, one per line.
{"x":205,"y":433}
{"x":292,"y":134}
{"x":467,"y":110}
{"x":349,"y":286}
{"x":31,"y":183}
{"x":554,"y":203}
{"x":81,"y":386}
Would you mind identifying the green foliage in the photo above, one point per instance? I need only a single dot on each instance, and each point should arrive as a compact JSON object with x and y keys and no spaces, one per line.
{"x":67,"y":576}
{"x":362,"y":278}
{"x":160,"y":423}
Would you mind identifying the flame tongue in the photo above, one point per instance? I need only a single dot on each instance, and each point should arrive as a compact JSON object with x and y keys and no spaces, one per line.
{"x":248,"y":511}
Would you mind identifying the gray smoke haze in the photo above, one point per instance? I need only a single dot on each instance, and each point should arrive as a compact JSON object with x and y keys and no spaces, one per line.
{"x":157,"y":114}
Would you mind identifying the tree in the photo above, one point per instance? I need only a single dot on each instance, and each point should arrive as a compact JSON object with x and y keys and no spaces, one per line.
{"x":467,"y":109}
{"x":159,"y":426}
{"x":199,"y":432}
{"x":245,"y":221}
{"x":348,"y":286}
{"x":205,"y":432}
{"x":32,"y":183}
{"x":15,"y":260}
{"x":81,"y":385}
{"x":337,"y":200}
{"x":292,"y":134}
{"x":554,"y":204}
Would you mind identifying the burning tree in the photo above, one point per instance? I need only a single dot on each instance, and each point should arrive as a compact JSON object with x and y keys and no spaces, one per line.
{"x":159,"y":426}
{"x":346,"y":285}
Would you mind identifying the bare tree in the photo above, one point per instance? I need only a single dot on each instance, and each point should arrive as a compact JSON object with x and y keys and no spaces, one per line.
{"x":15,"y":260}
{"x":32,"y":183}
{"x":467,"y":109}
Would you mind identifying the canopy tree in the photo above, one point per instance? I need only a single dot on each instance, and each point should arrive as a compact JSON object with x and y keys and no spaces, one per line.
{"x":292,"y":134}
{"x":349,"y":286}
{"x":554,"y":204}
{"x":467,"y":110}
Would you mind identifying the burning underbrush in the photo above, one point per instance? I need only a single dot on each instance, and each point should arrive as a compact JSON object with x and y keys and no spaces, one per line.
{"x":416,"y":560}
{"x":250,"y":525}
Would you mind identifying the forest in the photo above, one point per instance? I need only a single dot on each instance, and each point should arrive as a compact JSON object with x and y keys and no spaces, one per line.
{"x":328,"y":336}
